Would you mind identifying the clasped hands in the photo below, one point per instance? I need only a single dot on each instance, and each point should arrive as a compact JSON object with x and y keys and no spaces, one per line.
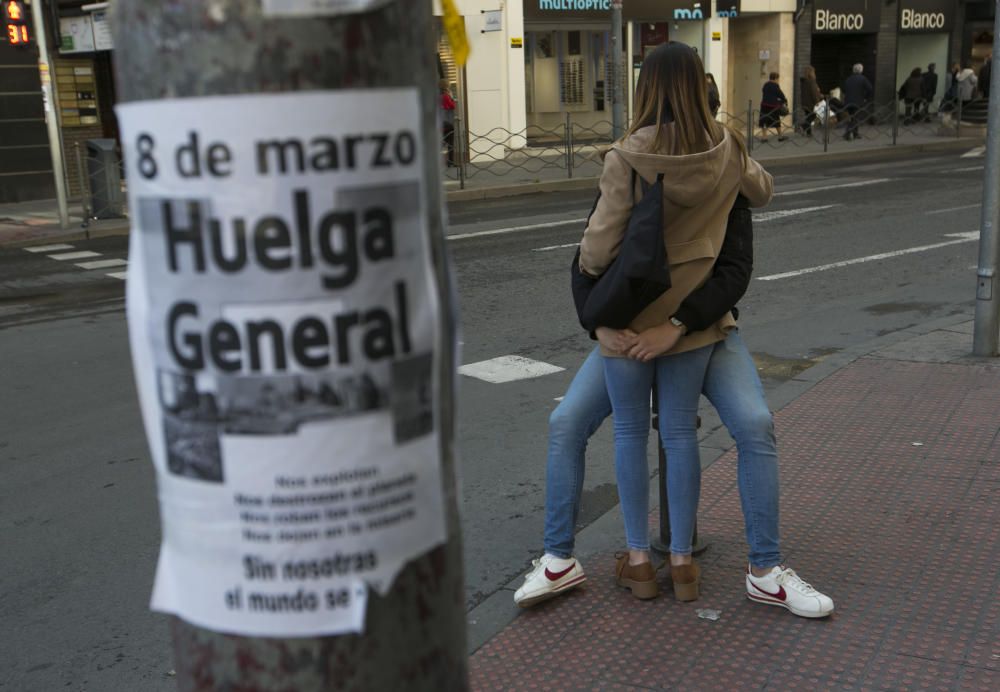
{"x":644,"y":347}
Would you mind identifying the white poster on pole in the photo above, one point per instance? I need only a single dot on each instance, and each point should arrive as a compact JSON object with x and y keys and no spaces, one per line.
{"x":282,"y":317}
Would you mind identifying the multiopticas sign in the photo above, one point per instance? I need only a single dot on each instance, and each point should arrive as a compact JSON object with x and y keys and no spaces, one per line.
{"x":846,"y":16}
{"x":574,"y":4}
{"x":632,"y":10}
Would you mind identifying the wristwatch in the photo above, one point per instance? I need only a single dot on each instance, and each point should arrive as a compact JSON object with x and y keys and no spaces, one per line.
{"x":677,"y":323}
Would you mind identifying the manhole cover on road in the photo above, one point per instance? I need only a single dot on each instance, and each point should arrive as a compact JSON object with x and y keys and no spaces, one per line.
{"x":779,"y":368}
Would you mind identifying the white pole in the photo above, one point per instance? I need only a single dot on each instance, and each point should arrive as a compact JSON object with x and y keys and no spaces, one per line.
{"x":987,"y":326}
{"x":51,"y":111}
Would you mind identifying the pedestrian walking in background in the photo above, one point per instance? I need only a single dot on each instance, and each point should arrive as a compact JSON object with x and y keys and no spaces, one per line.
{"x":857,"y":92}
{"x":811,"y":96}
{"x":704,"y":166}
{"x":966,"y":89}
{"x":773,"y":106}
{"x":714,"y":101}
{"x":912,"y":94}
{"x":929,"y":91}
{"x":985,"y":74}
{"x":447,"y":107}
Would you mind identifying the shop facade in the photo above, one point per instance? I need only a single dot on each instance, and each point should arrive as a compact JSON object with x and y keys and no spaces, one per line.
{"x":568,"y":57}
{"x":489,"y":88}
{"x":924,"y":30}
{"x":889,"y":40}
{"x":760,"y":40}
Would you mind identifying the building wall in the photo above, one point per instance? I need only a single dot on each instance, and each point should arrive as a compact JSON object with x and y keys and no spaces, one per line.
{"x":494,"y":73}
{"x":748,"y":36}
{"x":25,"y":162}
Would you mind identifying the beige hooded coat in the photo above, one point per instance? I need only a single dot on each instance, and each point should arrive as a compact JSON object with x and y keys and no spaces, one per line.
{"x":698,"y":193}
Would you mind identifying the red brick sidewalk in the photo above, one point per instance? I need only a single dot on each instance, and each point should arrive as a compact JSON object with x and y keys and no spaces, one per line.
{"x":891,"y":505}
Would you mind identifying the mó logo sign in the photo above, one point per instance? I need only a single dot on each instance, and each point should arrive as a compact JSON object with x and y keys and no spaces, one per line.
{"x":922,"y":20}
{"x":832,"y":21}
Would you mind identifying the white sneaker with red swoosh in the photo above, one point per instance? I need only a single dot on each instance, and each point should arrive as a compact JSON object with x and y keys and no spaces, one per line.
{"x":549,"y":576}
{"x":783,"y":587}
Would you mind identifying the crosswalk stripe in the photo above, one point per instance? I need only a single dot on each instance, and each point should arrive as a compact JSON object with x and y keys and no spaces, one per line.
{"x":118,"y":275}
{"x":974,"y":152}
{"x":103,"y":264}
{"x":83,"y":254}
{"x":48,"y":248}
{"x":508,"y":369}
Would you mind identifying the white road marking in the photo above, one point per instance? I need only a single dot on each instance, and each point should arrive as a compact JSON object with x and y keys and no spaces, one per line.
{"x":554,"y":247}
{"x":48,"y":248}
{"x":75,"y":255}
{"x":103,"y":264}
{"x":516,"y":229}
{"x":508,"y":369}
{"x":945,"y":211}
{"x":118,"y":275}
{"x":772,"y":215}
{"x":963,"y":170}
{"x":762,"y":217}
{"x":973,"y":153}
{"x":960,"y":238}
{"x":559,"y":398}
{"x":809,"y":190}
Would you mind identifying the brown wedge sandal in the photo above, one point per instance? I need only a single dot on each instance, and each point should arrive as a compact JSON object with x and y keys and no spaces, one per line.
{"x":686,"y":580}
{"x":639,"y":579}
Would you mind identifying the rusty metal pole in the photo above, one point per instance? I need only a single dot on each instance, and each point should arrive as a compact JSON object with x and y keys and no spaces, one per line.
{"x":414,"y":636}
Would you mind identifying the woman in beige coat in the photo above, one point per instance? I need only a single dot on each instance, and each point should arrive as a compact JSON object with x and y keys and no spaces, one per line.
{"x":704,"y":167}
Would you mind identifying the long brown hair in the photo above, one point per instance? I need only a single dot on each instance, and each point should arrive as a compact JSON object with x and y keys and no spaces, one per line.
{"x":672,"y":87}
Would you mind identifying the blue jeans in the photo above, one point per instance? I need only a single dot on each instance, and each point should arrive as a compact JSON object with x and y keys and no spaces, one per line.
{"x":731,"y":384}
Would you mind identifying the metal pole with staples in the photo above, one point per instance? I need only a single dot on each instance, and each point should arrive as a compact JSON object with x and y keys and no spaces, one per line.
{"x":987,"y":324}
{"x":413,"y":636}
{"x":617,"y":76}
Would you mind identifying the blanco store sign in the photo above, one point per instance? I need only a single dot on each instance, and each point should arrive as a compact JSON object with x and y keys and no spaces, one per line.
{"x":846,"y":16}
{"x":926,"y":16}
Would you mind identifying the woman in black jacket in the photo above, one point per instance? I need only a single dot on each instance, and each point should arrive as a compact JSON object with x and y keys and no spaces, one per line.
{"x":912,"y":94}
{"x":773,"y":105}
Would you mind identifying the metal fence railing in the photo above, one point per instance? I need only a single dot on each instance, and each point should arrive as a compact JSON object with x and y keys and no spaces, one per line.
{"x":575,"y":148}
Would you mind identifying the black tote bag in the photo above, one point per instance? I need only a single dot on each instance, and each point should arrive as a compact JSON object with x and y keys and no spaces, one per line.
{"x":636,"y":277}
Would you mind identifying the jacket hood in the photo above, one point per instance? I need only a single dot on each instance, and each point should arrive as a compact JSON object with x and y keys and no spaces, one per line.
{"x":687,"y":180}
{"x":965,"y":74}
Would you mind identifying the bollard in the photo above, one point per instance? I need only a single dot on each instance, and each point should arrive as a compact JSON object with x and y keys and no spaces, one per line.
{"x":895,"y":122}
{"x":301,"y":128}
{"x":568,"y":141}
{"x":460,"y":149}
{"x":826,"y":126}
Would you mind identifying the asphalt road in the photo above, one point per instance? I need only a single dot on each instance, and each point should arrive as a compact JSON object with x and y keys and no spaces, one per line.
{"x":846,"y":252}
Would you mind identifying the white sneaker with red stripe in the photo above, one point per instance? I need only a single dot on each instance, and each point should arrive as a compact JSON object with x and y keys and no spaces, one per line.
{"x":550,"y":576}
{"x":783,"y":587}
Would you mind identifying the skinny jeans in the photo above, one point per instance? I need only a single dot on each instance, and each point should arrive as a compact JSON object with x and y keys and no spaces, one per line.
{"x":729,"y":379}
